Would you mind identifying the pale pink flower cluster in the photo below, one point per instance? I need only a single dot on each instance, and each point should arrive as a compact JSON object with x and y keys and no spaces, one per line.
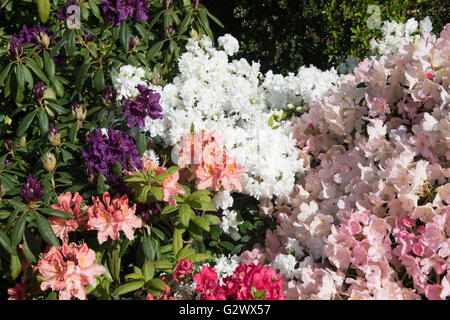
{"x":372,"y":210}
{"x":208,"y":161}
{"x":68,"y":269}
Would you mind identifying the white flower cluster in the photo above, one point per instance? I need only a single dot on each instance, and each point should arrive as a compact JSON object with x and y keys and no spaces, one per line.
{"x":396,"y":34}
{"x":309,"y":85}
{"x":225,"y":266}
{"x":127,"y":80}
{"x":213,"y":93}
{"x":229,"y":220}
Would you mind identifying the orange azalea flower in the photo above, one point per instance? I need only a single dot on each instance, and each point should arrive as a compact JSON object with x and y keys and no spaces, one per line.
{"x":112,"y":216}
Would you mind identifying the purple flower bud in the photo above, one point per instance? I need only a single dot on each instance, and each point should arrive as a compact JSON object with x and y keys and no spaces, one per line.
{"x":39,"y":91}
{"x":145,"y":104}
{"x":134,"y":43}
{"x":167,"y":4}
{"x":9,"y":145}
{"x":170,"y":32}
{"x":108,"y":96}
{"x":15,"y":48}
{"x":79,"y":111}
{"x":37,"y":35}
{"x":195,"y":3}
{"x":32,"y":190}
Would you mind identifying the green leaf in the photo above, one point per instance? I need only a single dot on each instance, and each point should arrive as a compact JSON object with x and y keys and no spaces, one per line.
{"x":128,"y":287}
{"x":28,"y":78}
{"x":213,"y":18}
{"x":70,"y":46}
{"x":27,"y":252}
{"x":46,"y":230}
{"x":147,"y":248}
{"x":184,"y":214}
{"x":99,"y":80}
{"x":18,"y":230}
{"x":43,"y":122}
{"x":199,"y":257}
{"x":185,"y":23}
{"x":95,"y":10}
{"x":15,"y":267}
{"x":81,"y":75}
{"x":101,"y":185}
{"x":59,"y":88}
{"x":212,"y":219}
{"x":20,"y":76}
{"x":157,"y":284}
{"x":117,"y":169}
{"x":49,"y":65}
{"x":5,"y":242}
{"x":149,"y":271}
{"x":177,"y":241}
{"x":25,"y":123}
{"x":125,"y":35}
{"x":56,"y":213}
{"x":154,"y":49}
{"x":4,"y":74}
{"x":73,"y":133}
{"x":158,"y":233}
{"x":163,"y":265}
{"x":37,"y":70}
{"x":43,"y":7}
{"x":157,"y":192}
{"x":141,"y":143}
{"x":168,"y":209}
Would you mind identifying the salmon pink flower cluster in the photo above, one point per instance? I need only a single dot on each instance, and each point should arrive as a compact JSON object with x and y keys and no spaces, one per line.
{"x":111,"y":216}
{"x":210,"y":164}
{"x":245,"y":282}
{"x":68,"y":269}
{"x":72,"y":205}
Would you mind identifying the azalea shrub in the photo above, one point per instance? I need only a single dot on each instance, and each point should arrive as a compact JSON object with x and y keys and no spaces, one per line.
{"x":198,"y":176}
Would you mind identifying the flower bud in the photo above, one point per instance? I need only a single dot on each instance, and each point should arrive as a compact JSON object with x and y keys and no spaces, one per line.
{"x":79,"y":111}
{"x":39,"y":91}
{"x":42,"y":38}
{"x":170,"y":32}
{"x":167,"y":4}
{"x":54,"y":136}
{"x":7,"y":121}
{"x":15,"y":48}
{"x":195,"y":3}
{"x":48,"y":161}
{"x":134,"y":43}
{"x":22,"y":142}
{"x":9,"y":145}
{"x":2,"y":191}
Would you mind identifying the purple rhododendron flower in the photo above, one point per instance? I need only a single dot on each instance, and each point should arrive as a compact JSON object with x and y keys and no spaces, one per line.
{"x":39,"y":91}
{"x":145,"y":104}
{"x":37,"y":35}
{"x":32,"y":190}
{"x":108,"y":96}
{"x":116,"y":11}
{"x":105,"y":147}
{"x":15,"y":47}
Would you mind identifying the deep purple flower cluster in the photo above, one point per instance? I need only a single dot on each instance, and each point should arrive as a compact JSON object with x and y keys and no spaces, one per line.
{"x":37,"y":35}
{"x":145,"y":104}
{"x":32,"y":190}
{"x":62,"y":13}
{"x":105,"y":147}
{"x":116,"y":11}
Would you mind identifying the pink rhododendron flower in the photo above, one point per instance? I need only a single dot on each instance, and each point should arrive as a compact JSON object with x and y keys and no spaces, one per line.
{"x":112,"y":216}
{"x":208,"y":284}
{"x":19,"y":291}
{"x":183,"y":269}
{"x":70,"y":204}
{"x":68,"y":269}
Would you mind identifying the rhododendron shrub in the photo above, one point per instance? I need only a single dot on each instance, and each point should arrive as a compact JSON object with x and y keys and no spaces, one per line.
{"x":371,"y":213}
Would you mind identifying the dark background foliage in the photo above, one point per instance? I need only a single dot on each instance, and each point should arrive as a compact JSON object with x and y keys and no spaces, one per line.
{"x":286,"y":34}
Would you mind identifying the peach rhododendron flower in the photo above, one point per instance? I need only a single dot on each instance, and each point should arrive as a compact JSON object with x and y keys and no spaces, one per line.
{"x":68,"y":269}
{"x":208,"y":160}
{"x":112,"y":216}
{"x":170,"y":188}
{"x":70,"y":204}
